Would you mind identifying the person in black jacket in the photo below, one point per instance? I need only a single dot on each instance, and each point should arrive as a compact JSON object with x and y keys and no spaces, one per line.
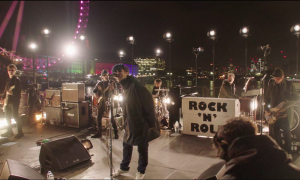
{"x":227,"y":89}
{"x":280,"y":90}
{"x":12,"y":96}
{"x":98,"y":93}
{"x":251,"y":156}
{"x":139,"y":116}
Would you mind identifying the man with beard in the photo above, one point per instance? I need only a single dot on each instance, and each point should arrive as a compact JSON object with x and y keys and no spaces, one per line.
{"x":139,"y":117}
{"x":12,"y":96}
{"x":227,"y":89}
{"x":98,"y":93}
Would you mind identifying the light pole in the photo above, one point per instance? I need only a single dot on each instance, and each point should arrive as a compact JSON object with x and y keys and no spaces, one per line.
{"x":196,"y":52}
{"x":121,"y":54}
{"x":296,"y":30}
{"x":46,"y":33}
{"x":245,"y":32}
{"x":131,"y":41}
{"x":168,"y":37}
{"x":157,"y":54}
{"x":82,"y":38}
{"x":33,"y":47}
{"x":213,"y":35}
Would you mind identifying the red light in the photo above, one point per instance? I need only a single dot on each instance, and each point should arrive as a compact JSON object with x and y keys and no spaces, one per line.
{"x":44,"y":78}
{"x":271,"y":64}
{"x":238,"y":66}
{"x":248,"y":68}
{"x":281,"y":51}
{"x":230,"y":59}
{"x":211,"y":64}
{"x":284,"y":56}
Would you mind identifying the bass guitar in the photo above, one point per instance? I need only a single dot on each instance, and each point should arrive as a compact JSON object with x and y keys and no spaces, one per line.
{"x":279,"y":112}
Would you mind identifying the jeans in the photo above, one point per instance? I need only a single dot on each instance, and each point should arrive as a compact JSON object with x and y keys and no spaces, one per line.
{"x":11,"y":112}
{"x":279,"y":128}
{"x":143,"y":157}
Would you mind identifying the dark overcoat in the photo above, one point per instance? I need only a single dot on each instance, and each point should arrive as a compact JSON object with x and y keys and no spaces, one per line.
{"x":138,"y":111}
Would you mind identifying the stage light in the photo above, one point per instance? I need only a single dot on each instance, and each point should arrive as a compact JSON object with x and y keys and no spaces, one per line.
{"x":82,"y":37}
{"x":212,"y":33}
{"x":70,"y":50}
{"x":297,"y":28}
{"x":87,"y":144}
{"x":46,"y":31}
{"x":38,"y":116}
{"x":32,"y":46}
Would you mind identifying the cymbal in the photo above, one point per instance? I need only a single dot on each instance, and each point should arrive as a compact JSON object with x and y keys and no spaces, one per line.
{"x":161,"y":90}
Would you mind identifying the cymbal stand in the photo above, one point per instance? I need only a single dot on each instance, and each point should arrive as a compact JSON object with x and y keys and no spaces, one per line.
{"x":262,"y":102}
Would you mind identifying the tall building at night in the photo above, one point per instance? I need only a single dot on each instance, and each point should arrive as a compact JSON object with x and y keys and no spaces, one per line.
{"x":148,"y":66}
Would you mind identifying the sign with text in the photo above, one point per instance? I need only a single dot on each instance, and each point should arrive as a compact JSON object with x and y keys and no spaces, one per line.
{"x":203,"y":116}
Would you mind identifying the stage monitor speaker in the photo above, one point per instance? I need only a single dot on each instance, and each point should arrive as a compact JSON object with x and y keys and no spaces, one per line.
{"x":12,"y":169}
{"x":214,"y":172}
{"x":62,"y":153}
{"x":76,"y":114}
{"x":73,"y":92}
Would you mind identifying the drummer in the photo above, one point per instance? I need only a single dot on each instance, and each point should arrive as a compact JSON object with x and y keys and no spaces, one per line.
{"x":157,"y":85}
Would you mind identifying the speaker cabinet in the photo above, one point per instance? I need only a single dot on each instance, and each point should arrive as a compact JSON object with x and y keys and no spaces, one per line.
{"x":62,"y":153}
{"x":73,"y":92}
{"x":12,"y":169}
{"x":174,"y":110}
{"x":53,"y":114}
{"x":76,"y":114}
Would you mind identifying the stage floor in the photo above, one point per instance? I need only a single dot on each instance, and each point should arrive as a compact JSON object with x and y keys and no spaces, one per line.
{"x":180,"y":157}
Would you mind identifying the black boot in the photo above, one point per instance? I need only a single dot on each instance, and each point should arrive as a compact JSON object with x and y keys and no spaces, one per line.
{"x":97,"y":135}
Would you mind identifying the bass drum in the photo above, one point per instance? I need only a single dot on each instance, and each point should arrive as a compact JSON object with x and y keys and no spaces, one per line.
{"x":293,"y":117}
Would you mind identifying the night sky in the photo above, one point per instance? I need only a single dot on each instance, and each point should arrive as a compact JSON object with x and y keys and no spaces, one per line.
{"x":111,"y":22}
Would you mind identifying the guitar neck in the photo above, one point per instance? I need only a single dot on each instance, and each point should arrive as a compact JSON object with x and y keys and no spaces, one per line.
{"x":285,"y":108}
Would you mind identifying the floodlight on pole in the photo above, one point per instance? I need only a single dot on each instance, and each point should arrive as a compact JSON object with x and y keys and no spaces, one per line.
{"x":33,"y":47}
{"x":168,"y":37}
{"x":296,"y":30}
{"x":70,"y":50}
{"x":121,"y":54}
{"x":131,"y":41}
{"x":244,"y":31}
{"x":158,"y":52}
{"x":212,"y":34}
{"x":196,"y":51}
{"x":82,"y":37}
{"x":46,"y":33}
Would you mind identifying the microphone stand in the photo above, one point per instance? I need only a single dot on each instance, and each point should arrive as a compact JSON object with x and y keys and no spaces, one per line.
{"x":262,"y":102}
{"x":110,"y":105}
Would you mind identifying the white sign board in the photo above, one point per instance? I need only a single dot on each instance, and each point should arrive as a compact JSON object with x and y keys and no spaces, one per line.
{"x":203,"y":116}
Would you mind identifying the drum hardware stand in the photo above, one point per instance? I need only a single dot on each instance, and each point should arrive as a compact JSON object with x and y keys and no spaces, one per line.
{"x":262,"y":102}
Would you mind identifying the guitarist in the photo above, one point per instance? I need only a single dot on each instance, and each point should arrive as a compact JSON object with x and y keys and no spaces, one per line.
{"x":11,"y":97}
{"x":280,"y":90}
{"x":98,"y":93}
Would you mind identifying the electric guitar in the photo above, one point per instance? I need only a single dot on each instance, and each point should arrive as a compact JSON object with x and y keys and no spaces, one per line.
{"x":102,"y":97}
{"x":4,"y":101}
{"x":279,"y":112}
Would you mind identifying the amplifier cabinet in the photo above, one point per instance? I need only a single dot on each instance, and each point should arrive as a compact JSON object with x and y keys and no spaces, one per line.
{"x":73,"y":92}
{"x":76,"y":114}
{"x":53,"y":114}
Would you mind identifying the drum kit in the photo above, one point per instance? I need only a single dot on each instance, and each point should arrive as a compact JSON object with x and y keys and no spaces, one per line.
{"x":161,"y":100}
